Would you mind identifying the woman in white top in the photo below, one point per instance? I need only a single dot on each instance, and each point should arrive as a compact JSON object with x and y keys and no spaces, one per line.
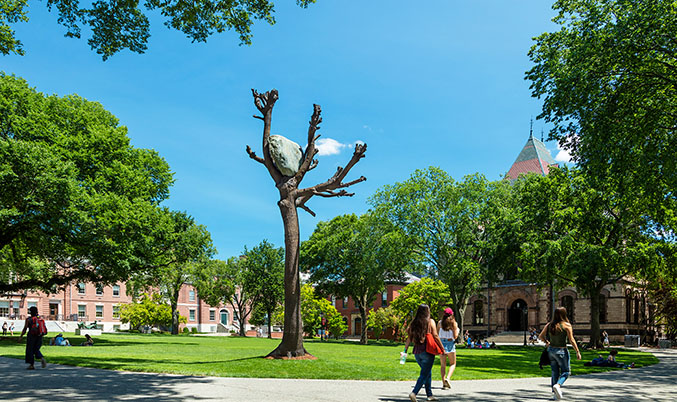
{"x":448,"y":331}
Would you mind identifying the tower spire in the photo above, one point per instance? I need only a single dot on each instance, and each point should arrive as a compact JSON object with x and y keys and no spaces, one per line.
{"x":531,"y":128}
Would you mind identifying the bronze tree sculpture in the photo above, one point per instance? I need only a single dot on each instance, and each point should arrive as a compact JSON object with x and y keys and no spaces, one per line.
{"x":291,"y":198}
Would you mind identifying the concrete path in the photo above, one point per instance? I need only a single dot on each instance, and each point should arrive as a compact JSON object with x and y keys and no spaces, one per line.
{"x":65,"y":383}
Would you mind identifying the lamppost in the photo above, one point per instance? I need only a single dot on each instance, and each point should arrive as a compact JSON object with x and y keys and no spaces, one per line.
{"x":525,"y":317}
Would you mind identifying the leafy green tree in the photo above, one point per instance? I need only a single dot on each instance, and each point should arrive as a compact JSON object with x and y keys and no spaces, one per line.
{"x":434,"y":293}
{"x":355,"y":257}
{"x":119,"y":25}
{"x":382,"y":319}
{"x":446,"y":222}
{"x":221,"y":282}
{"x":586,"y":236}
{"x":79,"y":203}
{"x":187,"y":247}
{"x":607,"y":80}
{"x":263,"y":268}
{"x":314,"y":307}
{"x":150,"y":310}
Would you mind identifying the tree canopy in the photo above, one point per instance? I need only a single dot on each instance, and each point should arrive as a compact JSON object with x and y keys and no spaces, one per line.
{"x":118,"y":25}
{"x":447,"y":223}
{"x":78,"y":201}
{"x":607,"y":79}
{"x":580,"y":235}
{"x":355,"y":257}
{"x":263,"y":268}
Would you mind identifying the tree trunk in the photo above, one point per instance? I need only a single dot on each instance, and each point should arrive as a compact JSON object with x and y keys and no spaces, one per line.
{"x":241,"y":318}
{"x":594,"y":319}
{"x":458,"y":314}
{"x":363,"y":316}
{"x":292,"y":338}
{"x":270,"y":324}
{"x":175,"y":318}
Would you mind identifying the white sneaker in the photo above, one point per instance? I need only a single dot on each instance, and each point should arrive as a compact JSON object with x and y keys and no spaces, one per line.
{"x":412,"y":397}
{"x":431,"y":398}
{"x":558,"y":391}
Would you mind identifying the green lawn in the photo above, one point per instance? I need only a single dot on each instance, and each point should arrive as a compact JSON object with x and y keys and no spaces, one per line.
{"x":242,"y":357}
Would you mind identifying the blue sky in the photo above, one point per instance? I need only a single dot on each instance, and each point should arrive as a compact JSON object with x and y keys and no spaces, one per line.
{"x":425,"y":83}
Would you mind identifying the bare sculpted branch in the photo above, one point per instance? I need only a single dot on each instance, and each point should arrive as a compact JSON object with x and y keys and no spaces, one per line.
{"x":291,"y":198}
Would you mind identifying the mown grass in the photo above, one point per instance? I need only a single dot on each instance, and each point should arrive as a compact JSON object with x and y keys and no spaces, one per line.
{"x":242,"y":357}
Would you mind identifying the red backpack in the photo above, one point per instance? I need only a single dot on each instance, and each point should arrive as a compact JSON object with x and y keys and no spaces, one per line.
{"x":38,"y":326}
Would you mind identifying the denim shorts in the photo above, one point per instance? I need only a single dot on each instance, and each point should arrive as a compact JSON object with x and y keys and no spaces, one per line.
{"x":449,"y":346}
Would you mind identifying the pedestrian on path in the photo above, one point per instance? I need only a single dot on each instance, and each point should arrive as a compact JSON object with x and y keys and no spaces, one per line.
{"x":555,"y":335}
{"x":11,"y":328}
{"x":33,"y":339}
{"x":448,"y":334}
{"x":4,"y":328}
{"x":418,"y":329}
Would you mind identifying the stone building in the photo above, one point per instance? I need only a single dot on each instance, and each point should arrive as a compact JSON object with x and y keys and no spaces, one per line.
{"x":515,"y":306}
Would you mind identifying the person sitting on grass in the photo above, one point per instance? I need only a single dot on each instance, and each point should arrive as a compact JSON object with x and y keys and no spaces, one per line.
{"x":469,"y":342}
{"x":88,"y":341}
{"x":59,"y":340}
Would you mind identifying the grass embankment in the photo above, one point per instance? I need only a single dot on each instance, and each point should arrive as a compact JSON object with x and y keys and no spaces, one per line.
{"x":242,"y":357}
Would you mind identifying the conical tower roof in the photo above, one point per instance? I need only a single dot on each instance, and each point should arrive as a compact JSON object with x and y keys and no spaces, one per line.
{"x":534,"y":158}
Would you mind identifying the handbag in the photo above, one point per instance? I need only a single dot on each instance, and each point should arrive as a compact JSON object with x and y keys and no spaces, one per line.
{"x":431,"y":346}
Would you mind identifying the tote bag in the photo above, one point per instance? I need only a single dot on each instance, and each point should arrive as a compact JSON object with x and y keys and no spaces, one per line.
{"x":431,"y":345}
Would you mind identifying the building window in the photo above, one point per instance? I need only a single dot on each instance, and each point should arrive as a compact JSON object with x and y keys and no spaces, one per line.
{"x":602,"y":309}
{"x":81,"y":288}
{"x":333,"y":301}
{"x":4,"y":308}
{"x":478,"y":313}
{"x":191,"y":314}
{"x":345,"y":302}
{"x":628,"y":306}
{"x":212,"y":315}
{"x":99,"y":289}
{"x":82,"y":311}
{"x":191,"y":295}
{"x":636,"y":311}
{"x":99,"y":312}
{"x":384,"y":299}
{"x":116,"y":290}
{"x":116,"y":311}
{"x":568,"y":303}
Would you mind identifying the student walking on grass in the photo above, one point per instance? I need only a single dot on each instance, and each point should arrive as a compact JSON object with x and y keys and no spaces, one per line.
{"x":418,"y":330}
{"x":555,"y":335}
{"x":448,"y":334}
{"x":35,"y":326}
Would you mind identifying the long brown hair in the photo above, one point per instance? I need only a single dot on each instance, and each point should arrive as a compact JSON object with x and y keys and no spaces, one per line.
{"x":449,"y":322}
{"x":419,"y":326}
{"x":559,"y":316}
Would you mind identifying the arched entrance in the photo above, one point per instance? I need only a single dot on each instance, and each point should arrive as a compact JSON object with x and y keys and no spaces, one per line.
{"x":224,"y":317}
{"x":517,"y":316}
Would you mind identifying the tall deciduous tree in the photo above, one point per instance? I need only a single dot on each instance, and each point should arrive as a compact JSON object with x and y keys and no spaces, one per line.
{"x":587,"y":237}
{"x":149,"y":310}
{"x":184,"y":249}
{"x":221,"y":282}
{"x":447,"y":223}
{"x":607,"y":79}
{"x":118,"y":25}
{"x":291,"y":198}
{"x":78,"y":202}
{"x":314,"y":307}
{"x":263,"y":270}
{"x":355,"y":257}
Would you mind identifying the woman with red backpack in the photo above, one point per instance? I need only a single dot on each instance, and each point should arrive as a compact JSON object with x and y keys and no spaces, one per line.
{"x":35,"y":326}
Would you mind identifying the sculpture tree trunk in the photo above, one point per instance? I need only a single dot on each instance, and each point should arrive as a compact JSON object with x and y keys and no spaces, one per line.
{"x":292,"y":337}
{"x":292,"y":198}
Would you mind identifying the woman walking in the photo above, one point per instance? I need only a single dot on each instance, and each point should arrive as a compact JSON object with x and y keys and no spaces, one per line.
{"x":448,"y":335}
{"x":555,"y":335}
{"x":418,"y":329}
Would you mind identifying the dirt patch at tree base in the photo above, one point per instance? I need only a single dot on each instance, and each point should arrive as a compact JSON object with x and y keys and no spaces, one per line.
{"x":304,"y":357}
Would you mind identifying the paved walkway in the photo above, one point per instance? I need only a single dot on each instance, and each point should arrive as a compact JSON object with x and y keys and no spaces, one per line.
{"x":65,"y":383}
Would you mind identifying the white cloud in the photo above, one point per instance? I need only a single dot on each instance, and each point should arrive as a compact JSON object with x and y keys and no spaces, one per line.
{"x":328,"y":146}
{"x":562,"y":155}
